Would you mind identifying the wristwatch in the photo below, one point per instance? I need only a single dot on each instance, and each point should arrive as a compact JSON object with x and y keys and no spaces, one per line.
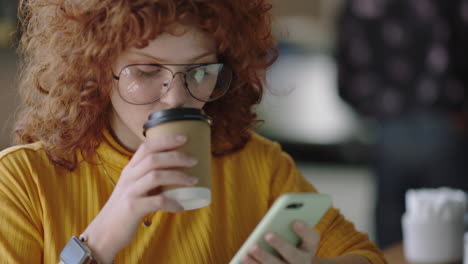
{"x":77,"y":252}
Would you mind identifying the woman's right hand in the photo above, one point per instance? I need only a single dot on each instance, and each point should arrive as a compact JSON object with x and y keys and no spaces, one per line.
{"x":137,"y":193}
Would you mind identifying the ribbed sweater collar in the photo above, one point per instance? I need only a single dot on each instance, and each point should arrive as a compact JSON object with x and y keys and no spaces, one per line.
{"x":112,"y":152}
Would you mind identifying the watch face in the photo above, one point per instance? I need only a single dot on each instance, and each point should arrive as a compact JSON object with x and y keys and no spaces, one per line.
{"x":74,"y":252}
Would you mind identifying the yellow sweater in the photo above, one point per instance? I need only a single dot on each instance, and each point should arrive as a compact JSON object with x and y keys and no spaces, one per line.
{"x":42,"y":205}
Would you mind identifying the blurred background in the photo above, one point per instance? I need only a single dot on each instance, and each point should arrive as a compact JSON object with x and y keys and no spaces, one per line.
{"x":8,"y":95}
{"x":368,"y":96}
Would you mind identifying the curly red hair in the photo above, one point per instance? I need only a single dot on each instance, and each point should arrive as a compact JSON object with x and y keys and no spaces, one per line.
{"x":67,"y":46}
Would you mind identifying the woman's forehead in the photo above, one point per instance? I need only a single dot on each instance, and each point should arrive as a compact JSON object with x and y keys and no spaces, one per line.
{"x":185,"y":44}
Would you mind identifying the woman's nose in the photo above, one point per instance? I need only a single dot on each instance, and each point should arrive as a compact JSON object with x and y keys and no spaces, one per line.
{"x":177,"y":95}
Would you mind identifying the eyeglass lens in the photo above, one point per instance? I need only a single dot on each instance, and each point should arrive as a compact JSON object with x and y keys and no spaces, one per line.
{"x":142,"y":84}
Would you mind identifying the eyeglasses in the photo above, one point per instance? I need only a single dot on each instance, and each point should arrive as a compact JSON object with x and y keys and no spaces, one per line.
{"x":141,"y":84}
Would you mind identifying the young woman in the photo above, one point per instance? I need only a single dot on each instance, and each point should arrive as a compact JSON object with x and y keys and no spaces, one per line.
{"x":92,"y":73}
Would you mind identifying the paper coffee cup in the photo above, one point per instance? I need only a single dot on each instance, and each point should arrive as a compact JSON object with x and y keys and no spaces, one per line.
{"x":196,"y":126}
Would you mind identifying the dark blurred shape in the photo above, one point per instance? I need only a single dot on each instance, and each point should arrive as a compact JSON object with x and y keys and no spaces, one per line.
{"x":309,"y":8}
{"x":404,"y":63}
{"x":8,"y":10}
{"x":7,"y":22}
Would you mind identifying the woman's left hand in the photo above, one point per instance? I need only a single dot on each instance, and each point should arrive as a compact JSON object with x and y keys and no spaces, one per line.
{"x":302,"y":254}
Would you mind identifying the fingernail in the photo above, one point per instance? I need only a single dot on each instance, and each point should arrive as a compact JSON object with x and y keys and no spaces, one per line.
{"x":181,"y":139}
{"x":193,"y":161}
{"x":193,"y":180}
{"x":270,"y":237}
{"x":255,"y":248}
{"x":300,"y":225}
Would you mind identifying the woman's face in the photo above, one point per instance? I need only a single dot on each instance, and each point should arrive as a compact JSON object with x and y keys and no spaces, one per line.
{"x":192,"y":47}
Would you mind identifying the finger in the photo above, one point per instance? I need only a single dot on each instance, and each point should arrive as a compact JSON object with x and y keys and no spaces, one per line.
{"x":249,"y":260}
{"x":163,"y":143}
{"x":159,"y":203}
{"x":309,"y":237}
{"x":163,"y":160}
{"x":288,"y":251}
{"x":262,"y":256}
{"x":155,"y":179}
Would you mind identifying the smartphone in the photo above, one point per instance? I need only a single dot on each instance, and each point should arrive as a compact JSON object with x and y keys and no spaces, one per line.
{"x":308,"y":207}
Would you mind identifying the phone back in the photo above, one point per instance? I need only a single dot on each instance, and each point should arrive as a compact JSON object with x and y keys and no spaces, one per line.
{"x":308,"y":207}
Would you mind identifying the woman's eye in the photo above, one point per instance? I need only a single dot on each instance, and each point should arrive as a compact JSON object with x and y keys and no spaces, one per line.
{"x":148,"y":73}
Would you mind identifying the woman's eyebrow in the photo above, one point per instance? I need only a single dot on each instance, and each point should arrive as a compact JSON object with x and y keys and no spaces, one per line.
{"x":166,"y":61}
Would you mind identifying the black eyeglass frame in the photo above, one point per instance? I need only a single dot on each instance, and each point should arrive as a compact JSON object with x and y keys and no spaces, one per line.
{"x":184,"y":74}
